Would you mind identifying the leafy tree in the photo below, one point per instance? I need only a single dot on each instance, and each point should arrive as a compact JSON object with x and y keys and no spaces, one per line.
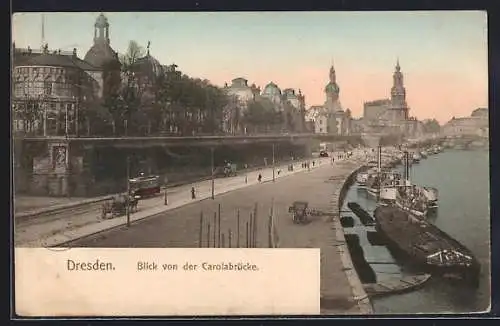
{"x":171,"y":103}
{"x":431,"y":126}
{"x":231,"y":114}
{"x":95,"y":118}
{"x":261,"y":116}
{"x":123,"y":93}
{"x":134,"y":53}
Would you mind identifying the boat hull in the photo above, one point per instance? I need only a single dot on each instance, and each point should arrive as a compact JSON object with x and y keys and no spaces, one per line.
{"x":420,"y":214}
{"x":403,"y":236}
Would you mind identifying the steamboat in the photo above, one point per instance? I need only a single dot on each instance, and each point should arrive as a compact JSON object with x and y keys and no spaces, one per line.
{"x":412,"y":198}
{"x":416,"y":157}
{"x":425,"y":244}
{"x":409,"y":198}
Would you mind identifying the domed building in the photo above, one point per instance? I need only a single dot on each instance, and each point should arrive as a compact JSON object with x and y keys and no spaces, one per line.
{"x":148,"y":69}
{"x":101,"y":53}
{"x":239,"y":87}
{"x":272,"y":92}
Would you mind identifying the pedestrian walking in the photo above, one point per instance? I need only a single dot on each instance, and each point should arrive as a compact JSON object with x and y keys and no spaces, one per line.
{"x":193,"y":193}
{"x":259,"y":177}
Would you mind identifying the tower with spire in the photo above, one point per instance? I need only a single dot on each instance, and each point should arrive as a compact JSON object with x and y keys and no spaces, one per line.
{"x":398,"y":95}
{"x":330,"y":118}
{"x":332,"y":91}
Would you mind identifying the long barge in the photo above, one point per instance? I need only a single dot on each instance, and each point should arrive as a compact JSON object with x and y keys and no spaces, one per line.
{"x":365,"y":218}
{"x":425,"y":244}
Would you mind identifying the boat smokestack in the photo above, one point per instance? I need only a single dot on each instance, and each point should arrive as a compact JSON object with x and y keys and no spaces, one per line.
{"x":379,"y":158}
{"x":407,"y":166}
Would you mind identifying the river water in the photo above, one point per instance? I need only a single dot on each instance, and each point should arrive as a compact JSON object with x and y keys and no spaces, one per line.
{"x":462,"y":178}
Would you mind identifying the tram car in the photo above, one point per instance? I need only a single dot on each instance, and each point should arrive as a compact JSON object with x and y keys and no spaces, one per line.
{"x":145,"y":186}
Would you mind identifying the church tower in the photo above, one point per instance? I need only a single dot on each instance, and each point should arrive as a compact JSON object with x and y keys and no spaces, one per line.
{"x":101,"y":54}
{"x":332,"y":91}
{"x":101,"y":30}
{"x":398,"y":95}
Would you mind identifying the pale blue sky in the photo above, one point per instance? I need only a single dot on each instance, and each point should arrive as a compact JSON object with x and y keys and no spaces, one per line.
{"x":295,"y":49}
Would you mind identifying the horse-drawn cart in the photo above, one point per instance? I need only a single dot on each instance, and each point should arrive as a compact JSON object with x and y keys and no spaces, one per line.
{"x":300,"y":211}
{"x":117,"y":206}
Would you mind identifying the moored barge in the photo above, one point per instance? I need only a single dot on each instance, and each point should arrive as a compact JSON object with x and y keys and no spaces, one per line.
{"x":426,"y":245}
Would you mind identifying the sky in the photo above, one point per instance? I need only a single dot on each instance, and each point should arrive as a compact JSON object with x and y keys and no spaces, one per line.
{"x":443,"y":54}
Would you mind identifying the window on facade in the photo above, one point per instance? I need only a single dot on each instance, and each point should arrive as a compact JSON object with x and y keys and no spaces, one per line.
{"x":57,"y":87}
{"x":47,"y":87}
{"x":18,"y":89}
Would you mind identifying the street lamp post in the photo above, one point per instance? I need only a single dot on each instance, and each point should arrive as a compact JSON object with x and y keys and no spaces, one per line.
{"x":213,"y":171}
{"x":44,"y":117}
{"x":66,"y":121}
{"x":273,"y":165}
{"x":26,"y":114}
{"x":77,"y":122}
{"x":128,"y":191}
{"x":76,"y":108}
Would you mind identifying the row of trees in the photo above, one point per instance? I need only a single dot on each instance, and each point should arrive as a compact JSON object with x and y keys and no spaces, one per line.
{"x":135,"y":102}
{"x":140,"y":101}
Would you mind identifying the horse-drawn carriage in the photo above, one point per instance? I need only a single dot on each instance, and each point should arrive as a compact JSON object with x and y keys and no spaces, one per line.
{"x":117,"y":206}
{"x":227,"y":170}
{"x":300,"y":211}
{"x":230,"y":170}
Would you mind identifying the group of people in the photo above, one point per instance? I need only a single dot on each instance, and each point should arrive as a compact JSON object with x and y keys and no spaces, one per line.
{"x":413,"y":198}
{"x":343,"y":155}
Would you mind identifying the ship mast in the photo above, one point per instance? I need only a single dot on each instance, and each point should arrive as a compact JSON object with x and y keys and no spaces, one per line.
{"x":379,"y":170}
{"x":43,"y":31}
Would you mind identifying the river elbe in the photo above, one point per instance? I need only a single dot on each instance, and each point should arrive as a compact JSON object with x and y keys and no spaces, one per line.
{"x":462,"y":178}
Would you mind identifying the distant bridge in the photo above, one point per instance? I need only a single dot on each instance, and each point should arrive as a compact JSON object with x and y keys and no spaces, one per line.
{"x":450,"y":140}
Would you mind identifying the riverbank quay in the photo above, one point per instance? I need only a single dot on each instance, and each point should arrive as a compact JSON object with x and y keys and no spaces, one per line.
{"x":341,"y":291}
{"x":71,"y":224}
